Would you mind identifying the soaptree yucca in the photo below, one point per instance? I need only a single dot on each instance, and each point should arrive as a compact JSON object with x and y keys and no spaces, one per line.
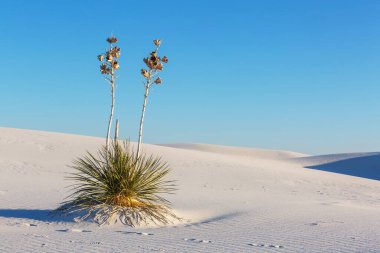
{"x":116,"y":185}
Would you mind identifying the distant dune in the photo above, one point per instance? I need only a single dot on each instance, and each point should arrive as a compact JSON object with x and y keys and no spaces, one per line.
{"x":365,"y":165}
{"x":239,"y":151}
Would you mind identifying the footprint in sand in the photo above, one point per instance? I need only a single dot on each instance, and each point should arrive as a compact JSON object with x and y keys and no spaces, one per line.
{"x":197,"y":240}
{"x":261,"y":245}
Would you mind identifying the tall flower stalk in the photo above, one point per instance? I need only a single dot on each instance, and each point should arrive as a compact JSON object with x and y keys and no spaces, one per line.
{"x":154,"y":64}
{"x":108,"y":67}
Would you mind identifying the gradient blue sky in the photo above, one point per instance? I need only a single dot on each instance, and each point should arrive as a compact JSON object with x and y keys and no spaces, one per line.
{"x":295,"y":75}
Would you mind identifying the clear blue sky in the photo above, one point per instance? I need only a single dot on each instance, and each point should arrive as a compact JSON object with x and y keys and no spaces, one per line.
{"x":295,"y":75}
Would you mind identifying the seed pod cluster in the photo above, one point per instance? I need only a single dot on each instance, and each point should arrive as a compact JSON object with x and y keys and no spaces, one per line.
{"x":112,"y":40}
{"x":154,"y":63}
{"x":108,"y":59}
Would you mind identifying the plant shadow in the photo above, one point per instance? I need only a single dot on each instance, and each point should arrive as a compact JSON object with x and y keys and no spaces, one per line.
{"x":215,"y":219}
{"x":44,"y":215}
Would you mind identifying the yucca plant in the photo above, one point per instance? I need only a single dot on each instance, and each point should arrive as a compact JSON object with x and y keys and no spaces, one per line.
{"x":116,"y":185}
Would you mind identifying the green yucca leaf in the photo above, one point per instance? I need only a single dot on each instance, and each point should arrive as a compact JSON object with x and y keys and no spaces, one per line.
{"x":116,"y":182}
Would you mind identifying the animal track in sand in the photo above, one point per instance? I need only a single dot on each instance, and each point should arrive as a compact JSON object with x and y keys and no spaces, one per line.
{"x":83,"y":242}
{"x":144,"y":233}
{"x":36,"y":235}
{"x":40,"y":236}
{"x":151,"y":249}
{"x":330,"y":203}
{"x":137,"y":233}
{"x":29,"y":224}
{"x":262,"y":245}
{"x":73,"y":241}
{"x":322,"y":223}
{"x":75,"y":230}
{"x":197,"y":240}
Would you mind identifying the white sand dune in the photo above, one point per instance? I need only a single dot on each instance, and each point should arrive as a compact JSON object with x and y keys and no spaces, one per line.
{"x":232,"y":199}
{"x":238,"y":151}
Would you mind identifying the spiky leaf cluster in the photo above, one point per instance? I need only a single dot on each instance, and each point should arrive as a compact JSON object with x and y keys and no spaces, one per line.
{"x":116,"y":185}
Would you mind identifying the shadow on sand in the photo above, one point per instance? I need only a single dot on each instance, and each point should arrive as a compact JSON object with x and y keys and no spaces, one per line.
{"x":363,"y":166}
{"x":215,"y":219}
{"x":35,"y":214}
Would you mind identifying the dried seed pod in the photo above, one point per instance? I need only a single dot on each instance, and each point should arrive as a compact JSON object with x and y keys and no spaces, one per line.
{"x":115,"y":52}
{"x":103,"y":68}
{"x":144,"y":72}
{"x":153,"y":59}
{"x":109,"y":57}
{"x":115,"y":65}
{"x":112,"y":39}
{"x":165,"y":59}
{"x":148,"y":63}
{"x":157,"y":42}
{"x":100,"y":57}
{"x":159,"y":66}
{"x":158,"y":81}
